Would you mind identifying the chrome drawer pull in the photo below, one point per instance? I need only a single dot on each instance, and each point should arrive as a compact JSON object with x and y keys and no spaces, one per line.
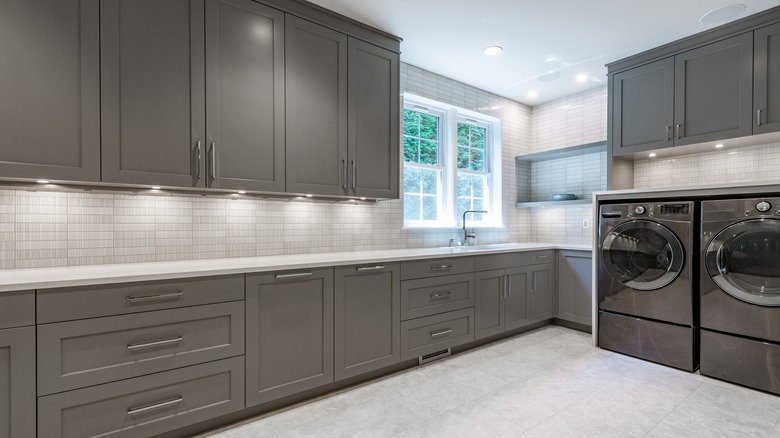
{"x":134,"y":299}
{"x":440,"y":294}
{"x":542,"y":257}
{"x":175,"y":340}
{"x":371,"y":268}
{"x":291,"y":276}
{"x":440,"y":267}
{"x":441,"y":333}
{"x":142,"y":409}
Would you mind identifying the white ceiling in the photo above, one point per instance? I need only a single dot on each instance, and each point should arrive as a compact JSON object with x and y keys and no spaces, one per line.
{"x":570,"y":36}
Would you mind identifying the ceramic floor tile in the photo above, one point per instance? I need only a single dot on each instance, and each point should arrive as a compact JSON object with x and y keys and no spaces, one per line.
{"x":572,"y":424}
{"x":471,"y":420}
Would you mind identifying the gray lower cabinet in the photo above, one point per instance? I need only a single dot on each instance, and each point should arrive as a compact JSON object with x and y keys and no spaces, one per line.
{"x":541,"y":287}
{"x":17,"y":382}
{"x":766,"y":79}
{"x":50,"y":88}
{"x":316,"y":108}
{"x":245,"y":90}
{"x":289,"y":339}
{"x":367,"y":318}
{"x":501,"y":300}
{"x":145,"y":406}
{"x":431,"y":334}
{"x":575,"y":296}
{"x":153,"y":92}
{"x":429,"y":296}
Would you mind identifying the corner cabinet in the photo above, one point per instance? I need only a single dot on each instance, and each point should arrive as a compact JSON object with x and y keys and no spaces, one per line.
{"x":575,"y":296}
{"x":766,"y":79}
{"x":289,"y":333}
{"x":50,"y":88}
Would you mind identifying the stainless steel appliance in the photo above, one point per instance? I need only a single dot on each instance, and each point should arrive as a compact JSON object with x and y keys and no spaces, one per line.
{"x":646,"y":300}
{"x":740,"y":291}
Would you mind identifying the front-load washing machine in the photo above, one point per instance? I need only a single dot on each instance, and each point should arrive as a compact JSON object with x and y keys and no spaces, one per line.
{"x":645,"y":274}
{"x":740,"y":291}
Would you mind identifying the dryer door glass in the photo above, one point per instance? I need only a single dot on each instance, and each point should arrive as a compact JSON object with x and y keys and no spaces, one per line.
{"x":744,"y":260}
{"x":642,"y":255}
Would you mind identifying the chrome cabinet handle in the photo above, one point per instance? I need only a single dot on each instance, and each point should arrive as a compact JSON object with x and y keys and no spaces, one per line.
{"x":175,"y":340}
{"x":678,"y":131}
{"x":371,"y":268}
{"x":758,"y":118}
{"x":440,"y":294}
{"x":199,"y":159}
{"x":162,"y":404}
{"x":135,"y":299}
{"x":509,"y":287}
{"x":440,"y":267}
{"x":542,"y":257}
{"x":213,"y":164}
{"x":441,"y":332}
{"x":668,"y":133}
{"x":503,"y":286}
{"x":344,"y":165}
{"x":354,"y":175}
{"x":294,"y":275}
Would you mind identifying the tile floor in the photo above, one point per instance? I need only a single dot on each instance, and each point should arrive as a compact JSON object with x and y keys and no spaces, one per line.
{"x":547,"y":383}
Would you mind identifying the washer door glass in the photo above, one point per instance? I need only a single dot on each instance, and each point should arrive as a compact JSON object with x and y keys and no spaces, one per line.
{"x":744,"y":260}
{"x":643,"y":255}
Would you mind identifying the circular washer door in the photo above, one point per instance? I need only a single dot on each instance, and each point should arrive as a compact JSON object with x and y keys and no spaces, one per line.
{"x":643,"y":255}
{"x":744,"y":260}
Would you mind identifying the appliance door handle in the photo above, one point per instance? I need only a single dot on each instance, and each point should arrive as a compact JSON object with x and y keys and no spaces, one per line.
{"x":719,"y":261}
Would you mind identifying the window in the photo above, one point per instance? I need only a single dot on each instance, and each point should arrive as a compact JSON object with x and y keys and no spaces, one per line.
{"x":451,"y":164}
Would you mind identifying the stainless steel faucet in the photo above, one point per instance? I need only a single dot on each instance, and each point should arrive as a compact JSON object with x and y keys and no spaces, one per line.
{"x":466,"y":234}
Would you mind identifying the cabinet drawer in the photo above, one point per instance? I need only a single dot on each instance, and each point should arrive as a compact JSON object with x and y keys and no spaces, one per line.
{"x":438,"y":332}
{"x":488,"y":262}
{"x":93,"y":351}
{"x":145,"y":406}
{"x":546,"y":256}
{"x":429,"y":296}
{"x":17,"y":309}
{"x":436,"y":267}
{"x":64,"y":304}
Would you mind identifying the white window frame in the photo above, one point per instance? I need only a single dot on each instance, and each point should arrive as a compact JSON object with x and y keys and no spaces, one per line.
{"x":448,"y":159}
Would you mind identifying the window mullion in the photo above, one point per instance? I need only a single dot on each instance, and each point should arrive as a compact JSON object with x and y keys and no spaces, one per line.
{"x":450,"y":148}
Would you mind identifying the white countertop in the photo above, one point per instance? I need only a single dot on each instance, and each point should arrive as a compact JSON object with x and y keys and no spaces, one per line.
{"x":45,"y":278}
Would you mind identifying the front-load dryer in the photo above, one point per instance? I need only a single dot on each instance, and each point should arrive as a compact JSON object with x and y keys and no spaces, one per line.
{"x":740,"y":291}
{"x":645,"y":274}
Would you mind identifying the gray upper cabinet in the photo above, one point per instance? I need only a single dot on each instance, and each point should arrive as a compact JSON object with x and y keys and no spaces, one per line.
{"x":367,"y":318}
{"x":541,"y":287}
{"x":153,"y":92}
{"x":289,"y":339}
{"x":245,"y":95}
{"x":316,"y":108}
{"x":17,"y":382}
{"x":49,"y":83}
{"x":714,"y":91}
{"x":373,"y":121}
{"x":574,"y":286}
{"x":766,"y":79}
{"x":643,"y":108}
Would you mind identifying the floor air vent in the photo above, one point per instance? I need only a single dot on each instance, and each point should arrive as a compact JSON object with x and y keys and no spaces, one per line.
{"x":435,"y":356}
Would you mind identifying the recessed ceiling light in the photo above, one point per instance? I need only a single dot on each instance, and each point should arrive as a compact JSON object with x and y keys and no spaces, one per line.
{"x":43,"y":181}
{"x":652,"y":155}
{"x":242,"y":192}
{"x":492,"y":50}
{"x":582,"y":78}
{"x":722,"y":14}
{"x":309,"y":196}
{"x":362,"y":199}
{"x":719,"y":145}
{"x":533,"y":94}
{"x":155,"y":187}
{"x":549,"y":76}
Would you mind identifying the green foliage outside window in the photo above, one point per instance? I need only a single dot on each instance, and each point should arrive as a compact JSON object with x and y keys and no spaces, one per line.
{"x":471,"y":147}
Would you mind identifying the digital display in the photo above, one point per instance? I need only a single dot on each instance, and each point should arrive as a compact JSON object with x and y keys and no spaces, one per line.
{"x":674,"y":208}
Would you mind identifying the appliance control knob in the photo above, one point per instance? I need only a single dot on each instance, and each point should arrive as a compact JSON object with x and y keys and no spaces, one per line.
{"x":763,"y":206}
{"x":639,"y":210}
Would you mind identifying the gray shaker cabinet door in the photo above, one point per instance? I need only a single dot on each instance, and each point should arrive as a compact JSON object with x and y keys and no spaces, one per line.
{"x":541,"y":292}
{"x":517,"y":312}
{"x":714,"y":91}
{"x":50,"y":89}
{"x":153,"y":92}
{"x":574,"y":286}
{"x":17,"y":382}
{"x":316,"y":105}
{"x":642,"y":108}
{"x":245,"y":95}
{"x":368,"y":320}
{"x":289,"y":339}
{"x":373,"y":121}
{"x":766,"y":82}
{"x":489,"y":296}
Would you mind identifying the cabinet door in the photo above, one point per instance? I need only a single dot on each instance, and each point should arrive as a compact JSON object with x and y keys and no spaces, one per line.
{"x":714,"y":91}
{"x":50,"y":88}
{"x":541,"y":288}
{"x":373,"y":120}
{"x":289,"y":339}
{"x":766,"y":82}
{"x":517,"y":306}
{"x":643,"y":108}
{"x":575,"y":296}
{"x":368,"y":320}
{"x":316,"y":108}
{"x":245,"y":91}
{"x":153,"y":92}
{"x":489,"y":305}
{"x":17,"y":382}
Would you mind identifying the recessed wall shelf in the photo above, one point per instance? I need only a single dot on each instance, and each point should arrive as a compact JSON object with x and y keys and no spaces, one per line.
{"x":571,"y":151}
{"x":555,"y":203}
